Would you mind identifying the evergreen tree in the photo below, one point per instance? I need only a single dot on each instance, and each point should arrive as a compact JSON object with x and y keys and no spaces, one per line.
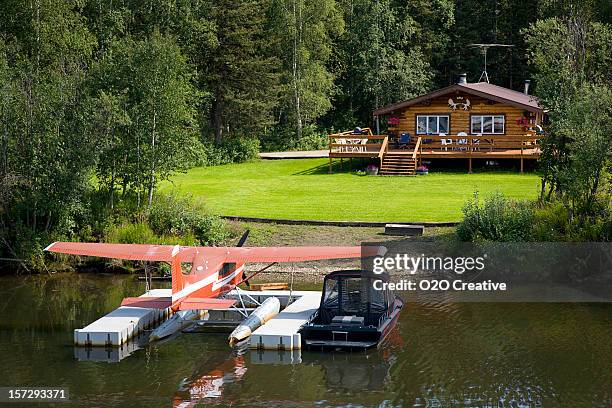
{"x":240,"y":73}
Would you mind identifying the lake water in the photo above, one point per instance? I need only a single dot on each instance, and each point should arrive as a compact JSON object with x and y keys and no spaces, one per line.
{"x":441,"y":355}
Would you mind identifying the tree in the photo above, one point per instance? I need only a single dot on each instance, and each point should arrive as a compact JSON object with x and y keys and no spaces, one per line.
{"x":47,"y":160}
{"x":573,"y":65}
{"x":110,"y":122}
{"x":589,"y":122}
{"x":146,"y":94}
{"x":379,"y":61}
{"x":240,"y":72}
{"x":305,"y":31}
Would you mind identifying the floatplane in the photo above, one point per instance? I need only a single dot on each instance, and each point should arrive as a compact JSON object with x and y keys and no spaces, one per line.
{"x":214,"y":272}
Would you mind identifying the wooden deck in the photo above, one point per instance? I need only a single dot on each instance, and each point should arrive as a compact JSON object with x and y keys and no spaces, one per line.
{"x":403,"y":160}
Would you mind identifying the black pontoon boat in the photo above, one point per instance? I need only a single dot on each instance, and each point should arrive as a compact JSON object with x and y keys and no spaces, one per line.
{"x":353,"y":314}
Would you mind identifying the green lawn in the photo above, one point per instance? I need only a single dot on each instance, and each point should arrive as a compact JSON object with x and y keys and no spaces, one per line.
{"x":302,"y":189}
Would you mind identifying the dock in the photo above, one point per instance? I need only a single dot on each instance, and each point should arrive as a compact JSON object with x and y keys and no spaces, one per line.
{"x":126,"y":323}
{"x":282,"y":332}
{"x":122,"y":324}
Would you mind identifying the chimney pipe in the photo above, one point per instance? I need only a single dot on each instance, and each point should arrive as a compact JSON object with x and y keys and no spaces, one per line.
{"x":526,"y":89}
{"x":462,"y":79}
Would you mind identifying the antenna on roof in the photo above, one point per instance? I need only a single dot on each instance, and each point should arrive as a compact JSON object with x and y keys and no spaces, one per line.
{"x":483,"y":50}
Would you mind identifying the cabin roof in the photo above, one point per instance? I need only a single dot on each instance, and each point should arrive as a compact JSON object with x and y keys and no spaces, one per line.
{"x":483,"y":89}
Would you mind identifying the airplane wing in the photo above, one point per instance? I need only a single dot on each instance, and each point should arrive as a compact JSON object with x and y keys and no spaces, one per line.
{"x":288,"y":254}
{"x":136,"y":252}
{"x":199,"y":255}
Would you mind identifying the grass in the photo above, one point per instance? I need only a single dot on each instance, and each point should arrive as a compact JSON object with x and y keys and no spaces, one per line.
{"x":302,"y":189}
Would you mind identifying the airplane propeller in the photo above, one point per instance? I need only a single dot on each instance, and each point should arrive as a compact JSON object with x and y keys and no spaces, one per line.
{"x":243,"y":238}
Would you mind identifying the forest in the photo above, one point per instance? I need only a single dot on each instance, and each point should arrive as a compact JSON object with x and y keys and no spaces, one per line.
{"x":101,"y":100}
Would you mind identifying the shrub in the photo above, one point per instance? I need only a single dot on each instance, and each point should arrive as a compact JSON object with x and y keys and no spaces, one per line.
{"x":284,"y":138}
{"x":239,"y":150}
{"x":128,"y":233}
{"x":497,"y":219}
{"x":176,"y":215}
{"x":553,"y":222}
{"x":235,"y":150}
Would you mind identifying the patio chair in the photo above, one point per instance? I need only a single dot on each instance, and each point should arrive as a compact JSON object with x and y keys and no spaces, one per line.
{"x":462,"y":141}
{"x":352,"y":145}
{"x":342,"y":142}
{"x":363,"y":148}
{"x":445,"y":143}
{"x":476,"y":143}
{"x":403,"y":141}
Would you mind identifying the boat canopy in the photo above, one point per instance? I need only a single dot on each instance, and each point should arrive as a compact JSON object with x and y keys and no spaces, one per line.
{"x":352,"y":293}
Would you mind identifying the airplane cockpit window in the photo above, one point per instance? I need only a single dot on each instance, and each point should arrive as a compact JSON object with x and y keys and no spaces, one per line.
{"x":227,"y":268}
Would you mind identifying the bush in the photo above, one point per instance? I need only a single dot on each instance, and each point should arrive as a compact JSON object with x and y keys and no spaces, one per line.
{"x":172,"y":219}
{"x":553,"y":222}
{"x":176,"y":215}
{"x":285,"y":139}
{"x":137,"y":233}
{"x":235,"y":150}
{"x":498,"y":219}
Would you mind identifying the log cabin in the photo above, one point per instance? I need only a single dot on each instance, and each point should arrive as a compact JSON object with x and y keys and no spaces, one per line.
{"x":466,"y":121}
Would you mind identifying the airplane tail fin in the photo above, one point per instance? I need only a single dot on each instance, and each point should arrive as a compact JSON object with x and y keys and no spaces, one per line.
{"x":177,"y":273}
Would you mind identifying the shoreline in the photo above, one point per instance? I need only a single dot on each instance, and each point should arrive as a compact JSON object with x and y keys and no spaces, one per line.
{"x":261,"y":234}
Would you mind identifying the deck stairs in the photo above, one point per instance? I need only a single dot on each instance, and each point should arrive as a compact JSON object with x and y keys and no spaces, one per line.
{"x":398,"y":164}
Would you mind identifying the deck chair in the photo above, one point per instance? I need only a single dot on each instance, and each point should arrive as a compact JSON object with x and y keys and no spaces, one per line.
{"x":462,"y":141}
{"x":342,"y":142}
{"x":442,"y":138}
{"x":363,"y":147}
{"x":476,"y":142}
{"x":351,"y":145}
{"x":403,"y":141}
{"x":445,"y":143}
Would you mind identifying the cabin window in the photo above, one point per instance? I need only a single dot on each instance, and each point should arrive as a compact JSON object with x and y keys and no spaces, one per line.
{"x":432,"y":124}
{"x":488,"y":124}
{"x":227,"y":268}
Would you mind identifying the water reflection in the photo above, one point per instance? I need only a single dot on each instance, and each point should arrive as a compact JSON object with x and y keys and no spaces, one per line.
{"x":111,"y":354}
{"x":210,"y":379}
{"x":365,"y":371}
